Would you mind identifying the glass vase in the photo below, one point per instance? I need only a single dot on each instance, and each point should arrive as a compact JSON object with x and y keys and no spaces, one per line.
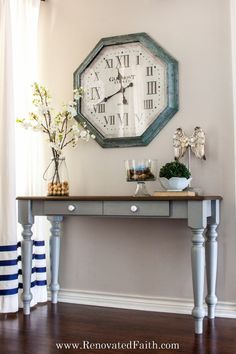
{"x":57,"y":177}
{"x":141,"y":171}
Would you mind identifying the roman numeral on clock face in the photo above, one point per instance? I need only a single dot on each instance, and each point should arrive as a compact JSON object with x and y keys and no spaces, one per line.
{"x":94,"y":93}
{"x":122,"y":120}
{"x":149,"y":70}
{"x":148,"y":104}
{"x":122,"y":61}
{"x":109,"y":63}
{"x":151,"y":87}
{"x":139,"y":117}
{"x":99,"y":108}
{"x":110,"y":120}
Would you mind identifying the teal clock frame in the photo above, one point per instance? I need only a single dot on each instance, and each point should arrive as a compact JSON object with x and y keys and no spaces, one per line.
{"x":172,"y":91}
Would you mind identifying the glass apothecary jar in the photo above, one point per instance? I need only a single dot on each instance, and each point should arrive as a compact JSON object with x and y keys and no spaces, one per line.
{"x":56,"y":176}
{"x":141,"y":171}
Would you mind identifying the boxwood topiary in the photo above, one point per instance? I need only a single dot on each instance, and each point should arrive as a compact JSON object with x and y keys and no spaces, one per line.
{"x":174,"y":169}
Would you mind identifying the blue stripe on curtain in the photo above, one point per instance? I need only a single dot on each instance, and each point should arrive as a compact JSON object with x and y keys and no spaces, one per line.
{"x":8,"y":292}
{"x":5,"y":277}
{"x":39,"y":243}
{"x":8,"y":248}
{"x":34,"y":256}
{"x":35,"y":243}
{"x":33,"y":283}
{"x":6,"y":288}
{"x":35,"y":270}
{"x":8,"y":262}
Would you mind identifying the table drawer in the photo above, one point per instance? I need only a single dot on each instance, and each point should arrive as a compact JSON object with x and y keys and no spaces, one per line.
{"x":73,"y":208}
{"x":140,"y":208}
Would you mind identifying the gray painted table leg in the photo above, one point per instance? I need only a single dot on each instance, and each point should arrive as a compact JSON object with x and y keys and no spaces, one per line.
{"x":26,"y":251}
{"x":26,"y":219}
{"x":211,"y":259}
{"x":197,"y":221}
{"x":55,"y":255}
{"x":198,"y":263}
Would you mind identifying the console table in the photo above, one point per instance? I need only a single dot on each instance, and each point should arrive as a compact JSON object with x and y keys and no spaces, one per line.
{"x":201,"y":213}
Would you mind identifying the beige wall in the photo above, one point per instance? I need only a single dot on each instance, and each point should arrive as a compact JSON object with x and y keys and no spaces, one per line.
{"x":146,"y":257}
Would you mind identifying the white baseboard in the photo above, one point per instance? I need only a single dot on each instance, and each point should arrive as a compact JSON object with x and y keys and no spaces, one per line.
{"x":144,"y":303}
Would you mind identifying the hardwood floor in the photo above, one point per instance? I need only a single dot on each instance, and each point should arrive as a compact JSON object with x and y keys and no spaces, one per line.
{"x":49,"y":326}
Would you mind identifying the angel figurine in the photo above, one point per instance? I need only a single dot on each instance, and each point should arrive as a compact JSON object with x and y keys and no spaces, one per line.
{"x":180,"y":143}
{"x":197,"y":143}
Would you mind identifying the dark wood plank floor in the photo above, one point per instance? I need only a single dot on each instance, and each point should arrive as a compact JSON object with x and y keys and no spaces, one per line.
{"x":49,"y":325}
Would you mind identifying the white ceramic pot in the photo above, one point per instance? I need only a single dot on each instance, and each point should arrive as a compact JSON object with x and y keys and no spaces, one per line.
{"x":175,"y":183}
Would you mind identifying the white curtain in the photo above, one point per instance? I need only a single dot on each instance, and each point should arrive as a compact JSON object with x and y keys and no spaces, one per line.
{"x":19,"y":151}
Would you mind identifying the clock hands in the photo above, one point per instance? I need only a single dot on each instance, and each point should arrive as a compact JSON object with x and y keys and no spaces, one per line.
{"x":121,"y":90}
{"x":120,"y":77}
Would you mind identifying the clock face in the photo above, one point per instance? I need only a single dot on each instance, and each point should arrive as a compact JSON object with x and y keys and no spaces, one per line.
{"x":125,"y":90}
{"x":130,"y":90}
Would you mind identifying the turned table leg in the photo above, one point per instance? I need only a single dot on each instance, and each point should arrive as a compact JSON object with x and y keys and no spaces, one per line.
{"x":26,"y":219}
{"x":26,"y":250}
{"x":55,"y":255}
{"x":198,"y":264}
{"x":211,"y":259}
{"x":197,"y":221}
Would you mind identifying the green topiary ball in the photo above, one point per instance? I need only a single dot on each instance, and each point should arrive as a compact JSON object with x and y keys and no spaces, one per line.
{"x":174,"y":169}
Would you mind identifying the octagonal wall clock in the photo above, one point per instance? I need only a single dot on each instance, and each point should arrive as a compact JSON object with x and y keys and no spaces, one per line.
{"x":131,"y":90}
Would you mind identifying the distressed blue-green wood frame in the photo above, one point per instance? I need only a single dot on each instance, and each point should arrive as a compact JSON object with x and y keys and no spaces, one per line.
{"x":172,"y":90}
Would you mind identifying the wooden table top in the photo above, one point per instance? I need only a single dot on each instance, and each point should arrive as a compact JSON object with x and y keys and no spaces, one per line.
{"x":119,"y":198}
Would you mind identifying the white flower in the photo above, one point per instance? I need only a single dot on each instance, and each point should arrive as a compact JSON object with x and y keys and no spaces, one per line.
{"x":75,"y":129}
{"x":78,"y":93}
{"x":30,"y":124}
{"x":61,"y":128}
{"x":43,"y":109}
{"x":71,"y":109}
{"x":84,"y":135}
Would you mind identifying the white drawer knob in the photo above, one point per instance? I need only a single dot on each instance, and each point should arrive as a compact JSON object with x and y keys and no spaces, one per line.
{"x":71,"y":207}
{"x":133,"y":208}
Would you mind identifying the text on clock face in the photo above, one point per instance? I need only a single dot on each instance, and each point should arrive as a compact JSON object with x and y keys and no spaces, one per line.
{"x":125,"y":79}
